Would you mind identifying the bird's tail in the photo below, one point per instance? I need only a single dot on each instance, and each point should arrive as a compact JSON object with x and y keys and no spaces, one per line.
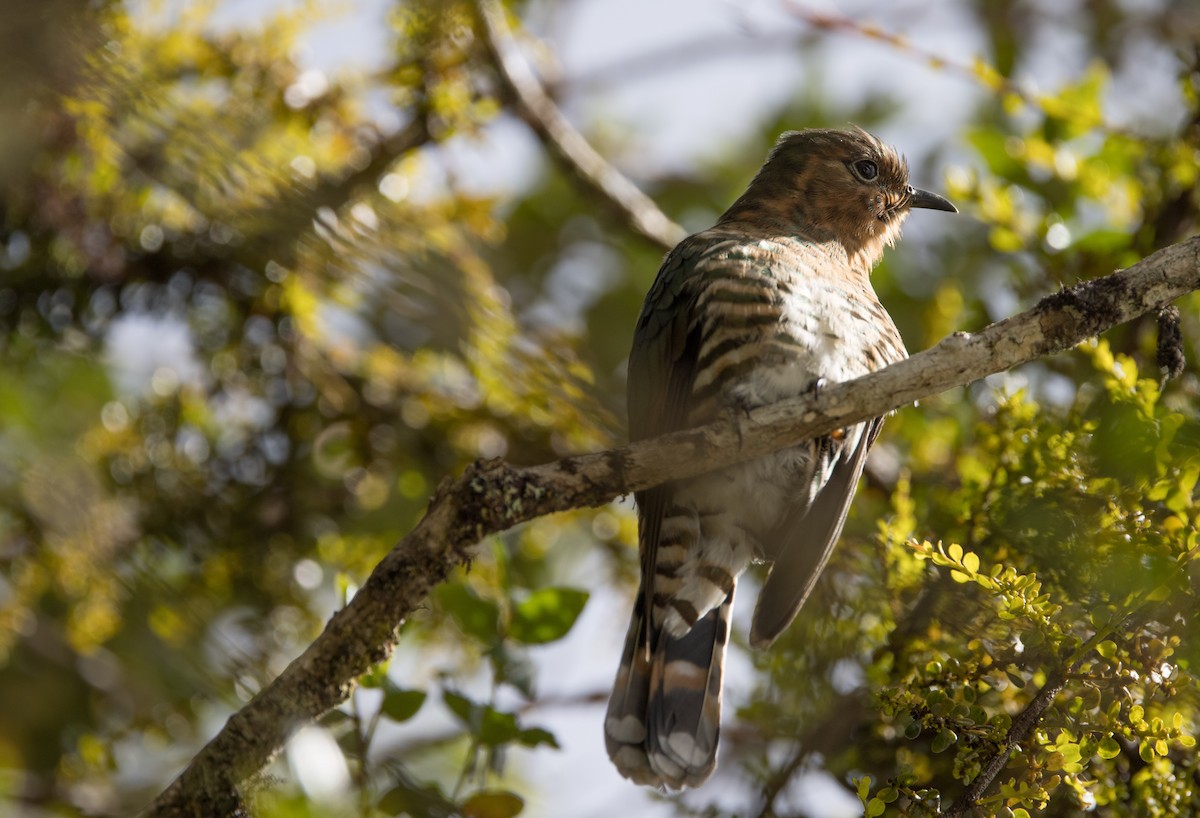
{"x":664,"y":717}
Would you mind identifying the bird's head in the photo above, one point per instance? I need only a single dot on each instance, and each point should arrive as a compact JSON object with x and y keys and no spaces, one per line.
{"x":836,"y":185}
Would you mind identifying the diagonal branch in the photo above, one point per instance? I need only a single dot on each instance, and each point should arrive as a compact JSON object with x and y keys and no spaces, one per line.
{"x":1018,"y":732}
{"x":562,"y":140}
{"x":493,"y":496}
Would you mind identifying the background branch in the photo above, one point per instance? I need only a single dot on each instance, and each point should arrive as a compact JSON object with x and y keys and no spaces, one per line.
{"x":493,"y":496}
{"x":566,"y":143}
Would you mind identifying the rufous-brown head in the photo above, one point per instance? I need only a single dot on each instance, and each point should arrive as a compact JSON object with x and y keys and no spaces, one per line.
{"x":834,"y":185}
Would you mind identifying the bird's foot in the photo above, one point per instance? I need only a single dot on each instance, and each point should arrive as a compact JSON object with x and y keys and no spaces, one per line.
{"x":814,"y":389}
{"x":738,"y":412}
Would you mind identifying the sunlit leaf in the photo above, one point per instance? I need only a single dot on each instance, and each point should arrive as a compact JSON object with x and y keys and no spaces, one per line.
{"x":546,"y":615}
{"x":1108,"y":748}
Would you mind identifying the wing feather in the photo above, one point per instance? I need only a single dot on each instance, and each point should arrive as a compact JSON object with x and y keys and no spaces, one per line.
{"x":806,"y":539}
{"x":662,"y":369}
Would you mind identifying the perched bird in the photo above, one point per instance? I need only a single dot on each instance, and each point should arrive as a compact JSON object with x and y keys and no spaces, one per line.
{"x":771,"y":302}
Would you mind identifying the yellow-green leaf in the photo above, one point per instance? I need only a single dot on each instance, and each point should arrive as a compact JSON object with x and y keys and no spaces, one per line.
{"x":1109,"y":748}
{"x":970,"y":561}
{"x":492,"y":804}
{"x":546,"y":615}
{"x":863,"y":787}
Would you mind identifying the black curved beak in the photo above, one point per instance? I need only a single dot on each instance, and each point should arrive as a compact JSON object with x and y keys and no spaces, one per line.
{"x":929,"y":201}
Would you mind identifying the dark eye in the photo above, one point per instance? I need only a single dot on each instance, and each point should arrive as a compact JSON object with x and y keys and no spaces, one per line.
{"x":866,"y":170}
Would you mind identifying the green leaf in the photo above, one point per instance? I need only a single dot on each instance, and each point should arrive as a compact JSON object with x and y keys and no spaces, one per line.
{"x":476,"y":616}
{"x":498,"y":727}
{"x":863,"y":787}
{"x":1109,"y":748}
{"x":1103,"y":241}
{"x":492,"y":727}
{"x":875,"y":807}
{"x":546,"y":615}
{"x":1032,"y":638}
{"x":493,"y":804}
{"x":467,"y":711}
{"x":424,"y":800}
{"x":399,"y":704}
{"x":1107,"y":649}
{"x":536,"y":736}
{"x":943,"y":739}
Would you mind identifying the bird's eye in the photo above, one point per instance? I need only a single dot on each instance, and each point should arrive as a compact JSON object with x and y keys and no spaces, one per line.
{"x":865,"y":169}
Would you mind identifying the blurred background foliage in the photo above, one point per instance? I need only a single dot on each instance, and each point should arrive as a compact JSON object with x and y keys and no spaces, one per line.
{"x":245,"y":329}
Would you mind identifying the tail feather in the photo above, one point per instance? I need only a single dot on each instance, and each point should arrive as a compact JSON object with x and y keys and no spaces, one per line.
{"x":625,"y":721}
{"x":664,"y":718}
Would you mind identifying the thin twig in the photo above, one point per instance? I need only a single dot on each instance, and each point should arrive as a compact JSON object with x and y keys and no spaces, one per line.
{"x":561,"y":138}
{"x":979,"y":71}
{"x":681,"y":57}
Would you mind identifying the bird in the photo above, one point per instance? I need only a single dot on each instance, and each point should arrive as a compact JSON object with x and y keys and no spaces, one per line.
{"x":772,"y":302}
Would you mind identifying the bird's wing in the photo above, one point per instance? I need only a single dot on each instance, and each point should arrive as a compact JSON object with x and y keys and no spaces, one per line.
{"x":806,"y":537}
{"x":662,"y":366}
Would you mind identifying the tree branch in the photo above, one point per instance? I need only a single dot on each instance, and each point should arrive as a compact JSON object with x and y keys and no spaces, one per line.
{"x":563,"y":141}
{"x":1022,"y":726}
{"x":493,"y":496}
{"x":683,"y":56}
